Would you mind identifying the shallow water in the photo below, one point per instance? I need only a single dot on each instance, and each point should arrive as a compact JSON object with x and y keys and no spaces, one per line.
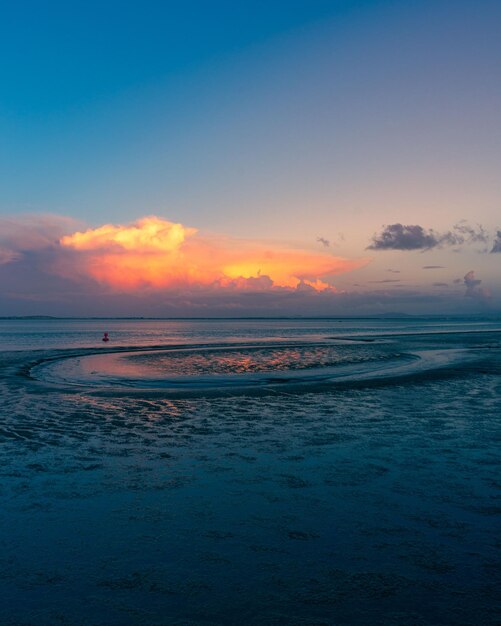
{"x":362,"y":488}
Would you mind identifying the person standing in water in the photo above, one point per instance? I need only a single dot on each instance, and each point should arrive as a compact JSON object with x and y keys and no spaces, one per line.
{"x":105,"y":337}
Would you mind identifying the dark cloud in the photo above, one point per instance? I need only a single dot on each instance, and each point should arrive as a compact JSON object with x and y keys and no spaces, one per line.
{"x":325,"y":242}
{"x":470,"y":281}
{"x":473,"y":289}
{"x":386,"y":280}
{"x":440,"y":284}
{"x":415,"y":237}
{"x":400,"y":237}
{"x":433,"y":267}
{"x":497,"y":242}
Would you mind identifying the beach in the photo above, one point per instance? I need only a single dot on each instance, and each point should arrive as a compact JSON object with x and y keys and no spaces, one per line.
{"x":296,"y":472}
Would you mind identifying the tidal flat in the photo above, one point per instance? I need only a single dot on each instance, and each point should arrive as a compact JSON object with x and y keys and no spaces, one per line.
{"x":265,"y":472}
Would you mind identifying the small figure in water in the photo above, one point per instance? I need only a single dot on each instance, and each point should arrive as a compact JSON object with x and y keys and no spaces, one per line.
{"x":105,"y":337}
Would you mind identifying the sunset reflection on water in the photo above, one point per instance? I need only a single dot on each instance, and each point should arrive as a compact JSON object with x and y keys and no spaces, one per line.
{"x":244,"y":361}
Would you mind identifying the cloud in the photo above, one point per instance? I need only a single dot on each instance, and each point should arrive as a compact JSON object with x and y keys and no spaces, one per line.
{"x":497,"y":242}
{"x":433,"y":267}
{"x":470,"y":281}
{"x":7,"y":256}
{"x":415,"y":237}
{"x":147,"y":235}
{"x":156,"y":254}
{"x":155,"y":267}
{"x":31,"y":232}
{"x":31,"y":244}
{"x":473,"y":289}
{"x":440,"y":284}
{"x":325,"y":242}
{"x":399,"y":237}
{"x":465,"y":233}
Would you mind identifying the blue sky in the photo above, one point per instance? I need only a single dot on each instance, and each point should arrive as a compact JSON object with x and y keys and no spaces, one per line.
{"x":281,"y":120}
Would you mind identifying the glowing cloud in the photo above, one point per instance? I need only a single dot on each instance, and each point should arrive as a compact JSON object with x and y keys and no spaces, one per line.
{"x":148,"y":235}
{"x":156,"y":253}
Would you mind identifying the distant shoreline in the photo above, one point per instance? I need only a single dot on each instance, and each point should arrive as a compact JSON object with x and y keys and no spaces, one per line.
{"x":254,"y":317}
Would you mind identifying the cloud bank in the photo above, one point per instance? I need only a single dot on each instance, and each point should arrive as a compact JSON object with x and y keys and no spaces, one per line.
{"x":155,"y":253}
{"x":51,"y":265}
{"x":49,"y":257}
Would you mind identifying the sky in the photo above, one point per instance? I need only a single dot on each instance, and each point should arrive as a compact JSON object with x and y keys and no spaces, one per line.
{"x":254,"y":158}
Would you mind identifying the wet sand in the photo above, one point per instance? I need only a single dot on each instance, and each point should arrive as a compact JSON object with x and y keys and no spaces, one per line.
{"x":370,"y":503}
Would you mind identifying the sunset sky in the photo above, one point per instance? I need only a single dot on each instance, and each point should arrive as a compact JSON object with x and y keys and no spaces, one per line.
{"x":250,"y":158}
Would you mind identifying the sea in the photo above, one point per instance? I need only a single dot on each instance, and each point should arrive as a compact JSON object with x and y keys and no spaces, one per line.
{"x":220,"y":472}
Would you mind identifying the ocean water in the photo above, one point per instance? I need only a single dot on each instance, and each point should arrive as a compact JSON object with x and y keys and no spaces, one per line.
{"x":272,"y":472}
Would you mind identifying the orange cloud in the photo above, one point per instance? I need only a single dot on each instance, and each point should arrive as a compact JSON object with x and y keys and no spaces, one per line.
{"x":156,"y":253}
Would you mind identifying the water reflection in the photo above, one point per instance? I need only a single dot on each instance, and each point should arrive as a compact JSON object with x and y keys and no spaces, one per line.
{"x":243,"y":361}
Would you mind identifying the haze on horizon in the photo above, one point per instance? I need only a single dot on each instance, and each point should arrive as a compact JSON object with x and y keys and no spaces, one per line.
{"x":231,"y":159}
